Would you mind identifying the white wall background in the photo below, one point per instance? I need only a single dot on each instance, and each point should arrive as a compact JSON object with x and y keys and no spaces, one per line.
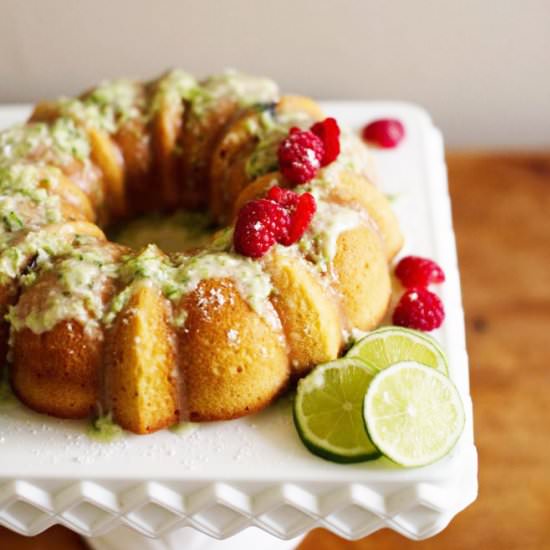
{"x":481,"y":67}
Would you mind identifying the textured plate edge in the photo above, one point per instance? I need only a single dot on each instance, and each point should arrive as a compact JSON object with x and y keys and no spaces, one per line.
{"x":284,"y":510}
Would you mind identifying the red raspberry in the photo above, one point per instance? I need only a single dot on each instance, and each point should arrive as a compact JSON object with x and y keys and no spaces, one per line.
{"x":420,"y":309}
{"x":301,"y":209}
{"x":329,"y":133}
{"x":300,"y":155}
{"x":285,"y":197}
{"x":300,"y":218}
{"x":260,"y":224}
{"x":414,"y":271}
{"x":386,"y":132}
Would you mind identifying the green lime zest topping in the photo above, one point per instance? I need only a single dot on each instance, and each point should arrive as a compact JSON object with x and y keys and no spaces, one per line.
{"x":173,"y":88}
{"x":107,"y":107}
{"x":12,"y":221}
{"x":60,"y":142}
{"x":181,"y":275}
{"x":244,"y":89}
{"x":104,"y":429}
{"x":117,"y":99}
{"x":81,"y":275}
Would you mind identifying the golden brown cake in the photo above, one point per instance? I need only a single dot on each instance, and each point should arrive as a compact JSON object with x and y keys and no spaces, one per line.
{"x":154,"y":338}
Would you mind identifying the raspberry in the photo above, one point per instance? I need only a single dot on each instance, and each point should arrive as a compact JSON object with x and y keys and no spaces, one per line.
{"x":260,"y":224}
{"x":282,"y":217}
{"x":300,"y":155}
{"x":285,"y":197}
{"x":300,"y":218}
{"x":414,"y":271}
{"x":301,"y":209}
{"x":386,"y":132}
{"x":420,"y":309}
{"x":329,"y":133}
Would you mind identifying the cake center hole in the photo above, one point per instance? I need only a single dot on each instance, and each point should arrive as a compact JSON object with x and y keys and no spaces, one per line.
{"x":180,"y":231}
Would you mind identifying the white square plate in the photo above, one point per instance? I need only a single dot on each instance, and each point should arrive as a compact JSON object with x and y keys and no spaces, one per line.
{"x":227,"y":476}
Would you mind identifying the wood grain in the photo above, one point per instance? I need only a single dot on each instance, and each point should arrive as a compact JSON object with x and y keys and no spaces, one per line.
{"x":501,"y":205}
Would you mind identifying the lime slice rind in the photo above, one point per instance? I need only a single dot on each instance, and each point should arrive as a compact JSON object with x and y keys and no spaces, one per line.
{"x":389,"y":345}
{"x":413,"y":414}
{"x":328,"y":411}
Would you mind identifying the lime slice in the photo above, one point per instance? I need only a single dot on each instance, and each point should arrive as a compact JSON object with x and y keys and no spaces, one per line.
{"x":389,"y":345}
{"x":328,"y":411}
{"x":413,"y":413}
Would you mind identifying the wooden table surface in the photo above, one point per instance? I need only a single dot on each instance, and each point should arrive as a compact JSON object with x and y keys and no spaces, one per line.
{"x":501,"y":205}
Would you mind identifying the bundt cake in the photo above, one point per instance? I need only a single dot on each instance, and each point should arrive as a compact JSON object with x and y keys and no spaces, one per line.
{"x":155,"y":338}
